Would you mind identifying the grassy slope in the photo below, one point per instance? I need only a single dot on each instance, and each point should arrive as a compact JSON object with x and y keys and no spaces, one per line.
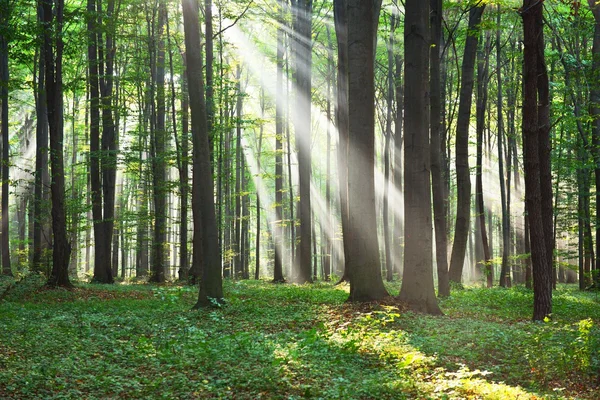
{"x":290,"y":342}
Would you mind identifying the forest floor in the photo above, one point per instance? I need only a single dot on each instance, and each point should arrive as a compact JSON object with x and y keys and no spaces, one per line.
{"x":291,"y":342}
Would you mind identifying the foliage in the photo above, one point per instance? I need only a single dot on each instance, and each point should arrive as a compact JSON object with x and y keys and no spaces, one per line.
{"x":285,"y":341}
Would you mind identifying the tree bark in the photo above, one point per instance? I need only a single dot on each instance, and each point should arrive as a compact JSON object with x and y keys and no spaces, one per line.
{"x":505,"y":280}
{"x":417,"y":288}
{"x":302,"y":47}
{"x":53,"y":48}
{"x":595,"y":114}
{"x":482,"y":87}
{"x":463,"y":180}
{"x":205,"y":223}
{"x":4,"y":80}
{"x":534,"y":127}
{"x":437,"y":176}
{"x":362,"y":262}
{"x":279,"y":113}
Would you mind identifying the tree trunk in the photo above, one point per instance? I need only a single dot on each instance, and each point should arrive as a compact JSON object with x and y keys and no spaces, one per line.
{"x":417,"y":284}
{"x":505,"y":280}
{"x":279,"y":112}
{"x":482,"y":87}
{"x":463,"y":180}
{"x":205,"y":223}
{"x":302,"y":47}
{"x":4,"y":79}
{"x":389,"y":264}
{"x":397,"y":236}
{"x":341,"y":113}
{"x":534,"y":127}
{"x":595,"y":114}
{"x":53,"y":48}
{"x":437,"y":176}
{"x":362,"y":262}
{"x":41,"y":163}
{"x":237,"y":218}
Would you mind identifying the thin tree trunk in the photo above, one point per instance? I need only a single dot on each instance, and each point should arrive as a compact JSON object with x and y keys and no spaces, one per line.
{"x":482,"y":86}
{"x":463,"y":180}
{"x":302,"y":26}
{"x":389,"y":265}
{"x":279,"y":112}
{"x":437,"y":176}
{"x":4,"y":79}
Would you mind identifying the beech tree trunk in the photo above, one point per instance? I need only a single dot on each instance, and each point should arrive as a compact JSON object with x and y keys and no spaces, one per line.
{"x":482,"y":87}
{"x":53,"y":48}
{"x":302,"y":47}
{"x":417,"y":284}
{"x":463,"y":179}
{"x":595,"y":114}
{"x":279,"y":115}
{"x":437,"y":176}
{"x":4,"y":79}
{"x":535,"y":127}
{"x":206,"y":236}
{"x":362,"y":262}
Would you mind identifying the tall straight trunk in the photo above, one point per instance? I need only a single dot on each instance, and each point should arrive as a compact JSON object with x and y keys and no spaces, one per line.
{"x":363,"y":263}
{"x":417,"y":288}
{"x":463,"y":180}
{"x":595,"y":114}
{"x":327,"y":233}
{"x":209,"y":50}
{"x":4,"y":79}
{"x":53,"y":48}
{"x":109,"y":140}
{"x":237,"y":218}
{"x":74,"y":234}
{"x":302,"y":46}
{"x":158,"y":146}
{"x":279,"y":113}
{"x":398,"y":232}
{"x":341,"y":115}
{"x":205,"y":222}
{"x":389,"y":265}
{"x":244,"y":217}
{"x":534,"y":127}
{"x":504,"y":201}
{"x":41,"y":161}
{"x":258,"y":209}
{"x":102,"y":270}
{"x":482,"y":86}
{"x":437,"y":175}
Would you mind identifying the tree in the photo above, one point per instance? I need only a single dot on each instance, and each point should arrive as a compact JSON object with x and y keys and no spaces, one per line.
{"x":53,"y":55}
{"x":159,"y":150}
{"x":595,"y":113}
{"x":536,"y":129}
{"x":463,"y":180}
{"x":437,"y":178}
{"x":417,"y":284}
{"x":206,"y":236}
{"x":362,"y":255}
{"x":279,"y":113}
{"x":302,"y":52}
{"x":481,"y":107}
{"x":4,"y":80}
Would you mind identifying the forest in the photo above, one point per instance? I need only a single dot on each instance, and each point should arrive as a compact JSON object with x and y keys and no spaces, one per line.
{"x":347,"y":199}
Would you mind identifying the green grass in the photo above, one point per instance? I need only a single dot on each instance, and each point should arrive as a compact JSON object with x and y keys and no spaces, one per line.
{"x":291,"y":342}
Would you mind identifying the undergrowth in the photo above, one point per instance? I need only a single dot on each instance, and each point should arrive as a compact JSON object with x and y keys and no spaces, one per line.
{"x":291,"y":342}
